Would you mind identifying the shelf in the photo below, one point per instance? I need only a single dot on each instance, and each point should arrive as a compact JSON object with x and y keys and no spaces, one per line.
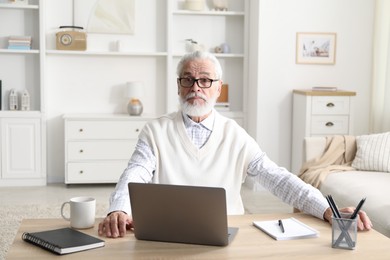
{"x":19,"y":51}
{"x":232,"y":114}
{"x":108,"y":116}
{"x":216,"y":13}
{"x":218,"y":55}
{"x":107,"y":53}
{"x":20,"y":114}
{"x":18,"y":6}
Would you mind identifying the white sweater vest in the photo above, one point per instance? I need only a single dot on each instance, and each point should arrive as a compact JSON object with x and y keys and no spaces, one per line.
{"x":221,"y":162}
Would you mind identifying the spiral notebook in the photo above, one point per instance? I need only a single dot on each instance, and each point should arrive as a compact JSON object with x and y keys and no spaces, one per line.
{"x":63,"y":241}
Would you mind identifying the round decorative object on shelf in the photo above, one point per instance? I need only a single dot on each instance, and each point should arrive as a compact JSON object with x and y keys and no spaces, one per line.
{"x":134,"y":91}
{"x":134,"y":108}
{"x":220,"y":5}
{"x":223,"y":48}
{"x":195,"y":5}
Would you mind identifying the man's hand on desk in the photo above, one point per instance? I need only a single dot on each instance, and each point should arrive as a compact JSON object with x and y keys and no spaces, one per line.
{"x":364,"y":222}
{"x":115,"y":224}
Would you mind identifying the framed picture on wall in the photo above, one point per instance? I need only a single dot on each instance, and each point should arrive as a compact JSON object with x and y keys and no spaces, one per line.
{"x":316,"y":48}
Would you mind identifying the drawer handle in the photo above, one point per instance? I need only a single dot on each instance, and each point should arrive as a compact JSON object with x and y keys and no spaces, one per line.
{"x":81,"y":172}
{"x":81,"y":151}
{"x":329,"y":124}
{"x":137,"y":130}
{"x":81,"y":130}
{"x":330,"y":104}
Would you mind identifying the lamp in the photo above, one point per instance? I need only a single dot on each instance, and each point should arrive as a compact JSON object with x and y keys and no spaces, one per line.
{"x":134,"y":91}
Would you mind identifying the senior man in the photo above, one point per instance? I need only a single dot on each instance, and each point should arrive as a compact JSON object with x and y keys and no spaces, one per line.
{"x":198,"y":146}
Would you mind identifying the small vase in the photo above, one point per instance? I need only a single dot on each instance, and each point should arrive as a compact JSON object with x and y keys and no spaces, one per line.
{"x":135,"y":107}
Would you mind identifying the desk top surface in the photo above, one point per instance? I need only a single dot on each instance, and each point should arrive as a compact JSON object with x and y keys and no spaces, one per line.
{"x":250,"y":243}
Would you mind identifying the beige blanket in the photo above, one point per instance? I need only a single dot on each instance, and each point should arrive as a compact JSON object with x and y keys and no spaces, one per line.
{"x":338,"y":155}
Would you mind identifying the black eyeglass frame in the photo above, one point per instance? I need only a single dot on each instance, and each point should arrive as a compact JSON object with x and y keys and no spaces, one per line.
{"x":197,"y":82}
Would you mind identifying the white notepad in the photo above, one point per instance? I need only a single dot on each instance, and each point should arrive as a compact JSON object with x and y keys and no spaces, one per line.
{"x":293,"y":229}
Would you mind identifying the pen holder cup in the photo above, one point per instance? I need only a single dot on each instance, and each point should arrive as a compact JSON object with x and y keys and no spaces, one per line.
{"x":344,"y":233}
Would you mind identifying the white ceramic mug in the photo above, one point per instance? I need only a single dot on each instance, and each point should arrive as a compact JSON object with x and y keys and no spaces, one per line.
{"x":82,"y":212}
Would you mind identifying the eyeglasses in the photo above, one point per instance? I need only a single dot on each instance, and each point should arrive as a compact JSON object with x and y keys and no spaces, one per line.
{"x":201,"y":82}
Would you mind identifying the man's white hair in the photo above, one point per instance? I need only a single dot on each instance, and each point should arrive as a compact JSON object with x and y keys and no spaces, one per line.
{"x":199,"y":55}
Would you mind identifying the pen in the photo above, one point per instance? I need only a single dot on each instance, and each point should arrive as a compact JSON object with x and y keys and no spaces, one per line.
{"x":281,"y":225}
{"x":331,"y":207}
{"x":338,"y":215}
{"x":354,"y":214}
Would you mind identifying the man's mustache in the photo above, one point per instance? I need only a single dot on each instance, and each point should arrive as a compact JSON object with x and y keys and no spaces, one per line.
{"x":194,"y":94}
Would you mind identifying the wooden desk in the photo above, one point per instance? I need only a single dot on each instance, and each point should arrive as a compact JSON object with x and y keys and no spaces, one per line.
{"x":250,"y":243}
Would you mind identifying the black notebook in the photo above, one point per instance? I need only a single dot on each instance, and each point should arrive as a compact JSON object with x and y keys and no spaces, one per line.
{"x":63,"y":241}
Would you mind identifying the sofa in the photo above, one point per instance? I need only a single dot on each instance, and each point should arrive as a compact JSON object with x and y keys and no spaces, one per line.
{"x":362,"y":170}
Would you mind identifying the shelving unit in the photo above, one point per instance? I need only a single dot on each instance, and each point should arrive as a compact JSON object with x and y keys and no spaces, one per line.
{"x":154,"y":52}
{"x":211,"y":29}
{"x":152,"y":62}
{"x":77,"y":82}
{"x":108,"y":53}
{"x":228,"y":27}
{"x":22,"y":133}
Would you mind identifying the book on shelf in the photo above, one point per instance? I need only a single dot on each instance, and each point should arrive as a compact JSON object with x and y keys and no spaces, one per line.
{"x":323,"y":88}
{"x":292,"y":229}
{"x":17,"y":47}
{"x":16,"y":42}
{"x":63,"y":241}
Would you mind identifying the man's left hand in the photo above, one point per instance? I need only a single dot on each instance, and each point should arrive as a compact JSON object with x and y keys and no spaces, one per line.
{"x":364,"y":222}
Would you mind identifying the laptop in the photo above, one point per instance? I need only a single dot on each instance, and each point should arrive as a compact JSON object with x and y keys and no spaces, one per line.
{"x":180,"y":214}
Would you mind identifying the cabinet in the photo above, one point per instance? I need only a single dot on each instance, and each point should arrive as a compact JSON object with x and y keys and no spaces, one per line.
{"x":21,"y":162}
{"x":98,"y":147}
{"x":22,"y":132}
{"x":318,"y":113}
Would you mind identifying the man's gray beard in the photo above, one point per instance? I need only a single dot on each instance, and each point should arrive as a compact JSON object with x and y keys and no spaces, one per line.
{"x":197,"y":109}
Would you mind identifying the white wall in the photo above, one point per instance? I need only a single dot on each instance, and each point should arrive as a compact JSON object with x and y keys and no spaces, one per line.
{"x":278,"y":75}
{"x":280,"y":20}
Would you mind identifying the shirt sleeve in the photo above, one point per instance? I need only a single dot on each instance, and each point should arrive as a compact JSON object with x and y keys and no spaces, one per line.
{"x":287,"y":186}
{"x":141,"y":167}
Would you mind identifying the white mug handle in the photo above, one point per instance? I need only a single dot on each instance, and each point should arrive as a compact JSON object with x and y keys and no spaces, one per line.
{"x":62,"y":210}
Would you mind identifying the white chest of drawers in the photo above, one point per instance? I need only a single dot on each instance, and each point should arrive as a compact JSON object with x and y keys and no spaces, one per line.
{"x":318,"y":113}
{"x":98,"y":147}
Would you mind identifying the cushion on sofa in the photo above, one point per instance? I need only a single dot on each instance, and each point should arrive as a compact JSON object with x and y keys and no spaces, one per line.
{"x":373,"y":152}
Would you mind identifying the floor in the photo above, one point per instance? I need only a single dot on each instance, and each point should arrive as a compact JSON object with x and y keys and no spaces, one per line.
{"x":255,"y":202}
{"x":53,"y":193}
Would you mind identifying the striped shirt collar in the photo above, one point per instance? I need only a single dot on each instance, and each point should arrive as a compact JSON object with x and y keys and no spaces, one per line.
{"x":208,"y":123}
